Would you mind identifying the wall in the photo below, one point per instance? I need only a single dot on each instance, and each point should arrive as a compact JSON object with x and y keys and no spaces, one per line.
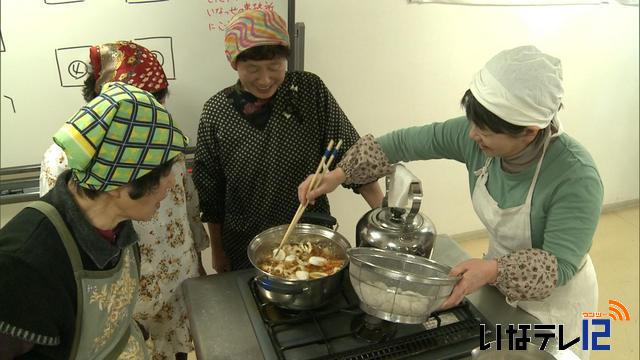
{"x":391,"y":64}
{"x":45,"y":56}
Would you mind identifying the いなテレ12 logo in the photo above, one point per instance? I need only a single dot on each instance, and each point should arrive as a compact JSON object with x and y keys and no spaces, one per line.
{"x":598,"y":325}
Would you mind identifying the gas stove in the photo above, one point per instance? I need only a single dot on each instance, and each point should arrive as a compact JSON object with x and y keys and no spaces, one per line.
{"x":341,"y":330}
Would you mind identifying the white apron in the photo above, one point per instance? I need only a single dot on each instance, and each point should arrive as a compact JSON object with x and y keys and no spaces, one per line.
{"x":510,"y":231}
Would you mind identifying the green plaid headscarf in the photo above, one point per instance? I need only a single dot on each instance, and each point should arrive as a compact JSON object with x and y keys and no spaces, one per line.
{"x":118,"y":137}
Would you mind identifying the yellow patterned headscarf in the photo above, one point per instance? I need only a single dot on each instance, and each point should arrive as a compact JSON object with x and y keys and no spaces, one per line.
{"x":118,"y":137}
{"x":252,"y":28}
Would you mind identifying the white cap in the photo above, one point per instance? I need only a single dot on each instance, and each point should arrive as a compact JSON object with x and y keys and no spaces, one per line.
{"x":522,"y":86}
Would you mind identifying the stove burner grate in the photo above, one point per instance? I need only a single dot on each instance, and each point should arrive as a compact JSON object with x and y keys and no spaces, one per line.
{"x":416,"y":344}
{"x":327,"y":333}
{"x":372,"y":329}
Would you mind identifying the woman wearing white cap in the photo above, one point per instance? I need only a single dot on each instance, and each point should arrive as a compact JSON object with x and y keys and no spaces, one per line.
{"x":536,"y":189}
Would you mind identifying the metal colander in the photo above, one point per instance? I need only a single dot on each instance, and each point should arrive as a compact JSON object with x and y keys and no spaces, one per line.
{"x":398,"y":287}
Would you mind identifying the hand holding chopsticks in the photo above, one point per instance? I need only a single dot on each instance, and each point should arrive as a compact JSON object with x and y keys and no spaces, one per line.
{"x":324,"y":164}
{"x":322,"y":167}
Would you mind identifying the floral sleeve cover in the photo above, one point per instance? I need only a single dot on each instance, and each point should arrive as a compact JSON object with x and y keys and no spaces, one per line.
{"x":528,"y":274}
{"x":365,"y":162}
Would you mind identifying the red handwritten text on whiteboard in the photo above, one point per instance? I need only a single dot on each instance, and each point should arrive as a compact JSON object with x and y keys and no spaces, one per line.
{"x":219,"y":12}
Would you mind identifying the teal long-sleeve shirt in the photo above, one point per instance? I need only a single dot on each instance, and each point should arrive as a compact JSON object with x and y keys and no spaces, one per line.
{"x":567,"y":199}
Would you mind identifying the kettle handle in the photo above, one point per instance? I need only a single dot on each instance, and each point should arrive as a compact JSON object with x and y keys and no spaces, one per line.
{"x":415,"y":191}
{"x":416,"y":200}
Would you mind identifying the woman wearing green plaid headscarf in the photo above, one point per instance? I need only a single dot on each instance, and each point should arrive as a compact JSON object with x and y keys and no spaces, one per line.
{"x":119,"y":136}
{"x":76,"y":248}
{"x":161,"y":309}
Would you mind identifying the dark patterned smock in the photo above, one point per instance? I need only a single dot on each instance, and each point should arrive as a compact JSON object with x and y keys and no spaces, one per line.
{"x":247,"y":172}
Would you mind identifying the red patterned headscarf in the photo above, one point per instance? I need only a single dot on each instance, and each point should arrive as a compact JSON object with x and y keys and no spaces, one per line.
{"x":129,"y":63}
{"x":252,"y":28}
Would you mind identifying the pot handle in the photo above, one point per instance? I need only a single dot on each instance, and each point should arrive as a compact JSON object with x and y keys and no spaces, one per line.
{"x":317,"y":218}
{"x":271,"y":285}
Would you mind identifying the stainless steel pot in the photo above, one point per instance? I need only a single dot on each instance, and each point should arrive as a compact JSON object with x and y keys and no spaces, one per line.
{"x":298,"y":294}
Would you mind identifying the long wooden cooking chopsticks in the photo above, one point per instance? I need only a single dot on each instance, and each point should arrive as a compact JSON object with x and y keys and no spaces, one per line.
{"x":302,"y":207}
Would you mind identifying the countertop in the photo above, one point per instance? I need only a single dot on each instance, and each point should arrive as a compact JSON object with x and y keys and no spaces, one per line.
{"x":221,"y":327}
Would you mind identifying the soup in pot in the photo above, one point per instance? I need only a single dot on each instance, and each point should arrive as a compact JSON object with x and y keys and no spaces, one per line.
{"x":301,"y":261}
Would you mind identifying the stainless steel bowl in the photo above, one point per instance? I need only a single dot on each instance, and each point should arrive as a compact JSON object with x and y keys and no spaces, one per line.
{"x":398,"y":287}
{"x":532,"y":352}
{"x":298,"y":294}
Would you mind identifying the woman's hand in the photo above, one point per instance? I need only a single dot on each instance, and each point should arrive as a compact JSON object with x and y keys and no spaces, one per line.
{"x":475,"y":273}
{"x":327,"y":183}
{"x":201,"y":269}
{"x":219,"y":261}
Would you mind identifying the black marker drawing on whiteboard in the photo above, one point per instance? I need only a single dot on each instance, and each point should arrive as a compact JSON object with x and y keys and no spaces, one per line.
{"x":2,"y":49}
{"x":12,"y":105}
{"x":77,"y":69}
{"x":58,"y":2}
{"x":158,"y":56}
{"x":162,"y":48}
{"x":72,"y":65}
{"x":143,"y":1}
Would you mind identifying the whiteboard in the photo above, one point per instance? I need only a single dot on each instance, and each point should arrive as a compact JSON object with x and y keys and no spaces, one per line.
{"x":44,"y":56}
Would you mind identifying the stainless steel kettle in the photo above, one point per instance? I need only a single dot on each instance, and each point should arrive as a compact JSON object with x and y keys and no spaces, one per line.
{"x":391,"y":226}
